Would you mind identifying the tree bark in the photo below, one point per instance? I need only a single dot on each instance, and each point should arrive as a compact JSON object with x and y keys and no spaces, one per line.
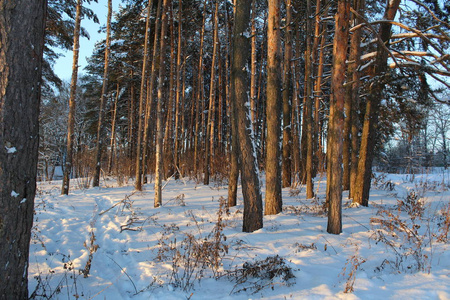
{"x":168,"y":134}
{"x":212,"y":98}
{"x":113,"y":131}
{"x":101,"y":112}
{"x":200,"y":94}
{"x":139,"y":148}
{"x":233,"y":176}
{"x":308,"y":110}
{"x":369,"y":135}
{"x":336,"y":128}
{"x":72,"y":102}
{"x":287,"y":103}
{"x":253,"y":212}
{"x":253,"y":78}
{"x":159,"y":109}
{"x":22,"y":26}
{"x":273,"y":113}
{"x":353,"y":93}
{"x":178,"y":101}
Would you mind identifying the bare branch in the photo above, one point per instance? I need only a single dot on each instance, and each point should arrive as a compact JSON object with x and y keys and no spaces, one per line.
{"x":379,"y":40}
{"x":431,"y":12}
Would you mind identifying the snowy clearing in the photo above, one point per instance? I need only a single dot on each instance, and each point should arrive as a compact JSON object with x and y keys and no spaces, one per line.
{"x":110,"y":243}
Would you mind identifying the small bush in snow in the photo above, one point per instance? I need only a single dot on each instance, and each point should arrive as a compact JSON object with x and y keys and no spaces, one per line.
{"x":402,"y":234}
{"x":349,"y":270}
{"x":260,"y":274}
{"x":192,"y":256}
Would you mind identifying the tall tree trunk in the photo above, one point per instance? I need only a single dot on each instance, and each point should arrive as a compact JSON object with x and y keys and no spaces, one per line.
{"x":178,"y":101}
{"x":253,"y":211}
{"x":308,"y":110}
{"x":168,"y":134}
{"x":159,"y":109}
{"x":273,"y":114}
{"x":233,"y":138}
{"x":113,"y":131}
{"x":234,"y":159}
{"x":296,"y":113}
{"x":200,"y":94}
{"x":287,"y":105}
{"x":72,"y":102}
{"x":353,"y":94}
{"x":22,"y":26}
{"x":253,"y":89}
{"x":318,"y":51}
{"x":369,"y":135}
{"x":336,"y":127}
{"x":148,"y":120}
{"x":131,"y":127}
{"x":139,"y":156}
{"x":101,"y":112}
{"x":212,"y":97}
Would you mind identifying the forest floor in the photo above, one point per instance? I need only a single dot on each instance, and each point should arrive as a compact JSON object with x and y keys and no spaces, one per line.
{"x":110,"y":243}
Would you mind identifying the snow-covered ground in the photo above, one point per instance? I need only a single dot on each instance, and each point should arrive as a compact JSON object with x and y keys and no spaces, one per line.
{"x":183,"y":250}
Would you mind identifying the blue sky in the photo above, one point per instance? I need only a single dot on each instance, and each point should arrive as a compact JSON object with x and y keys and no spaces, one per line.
{"x":63,"y":66}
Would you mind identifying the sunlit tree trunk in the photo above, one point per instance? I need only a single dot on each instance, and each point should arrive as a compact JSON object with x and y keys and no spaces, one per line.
{"x":139,"y":157}
{"x":149,"y":114}
{"x":159,"y":109}
{"x":233,"y":175}
{"x":308,"y":109}
{"x":253,"y":76}
{"x":212,"y":98}
{"x":178,"y":102}
{"x":296,"y":109}
{"x":253,"y":211}
{"x":22,"y":26}
{"x":287,"y":103}
{"x":200,"y":94}
{"x":319,"y":57}
{"x":103,"y":99}
{"x":113,"y":131}
{"x":131,"y":128}
{"x":353,"y":94}
{"x":72,"y":102}
{"x":336,"y":121}
{"x":369,"y":135}
{"x":273,"y":114}
{"x":168,"y":134}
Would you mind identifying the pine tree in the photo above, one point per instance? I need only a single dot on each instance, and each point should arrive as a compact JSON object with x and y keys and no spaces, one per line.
{"x":22,"y":26}
{"x":72,"y":103}
{"x":253,"y":212}
{"x":273,"y":169}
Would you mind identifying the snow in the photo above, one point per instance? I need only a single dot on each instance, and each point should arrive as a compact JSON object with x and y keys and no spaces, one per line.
{"x":132,"y":234}
{"x":14,"y":194}
{"x":11,"y":150}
